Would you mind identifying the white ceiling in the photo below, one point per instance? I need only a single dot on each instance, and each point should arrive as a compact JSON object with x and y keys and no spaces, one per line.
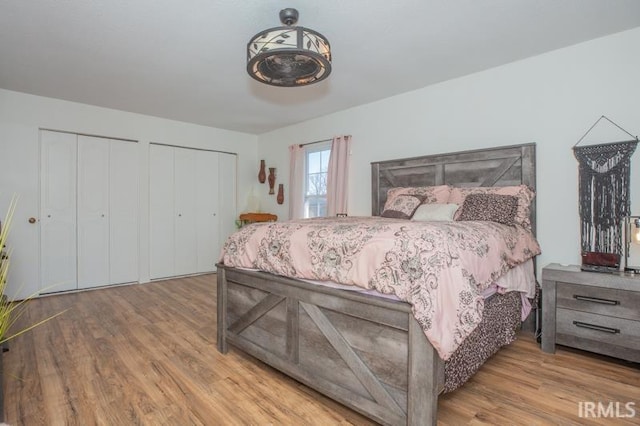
{"x":186,"y":59}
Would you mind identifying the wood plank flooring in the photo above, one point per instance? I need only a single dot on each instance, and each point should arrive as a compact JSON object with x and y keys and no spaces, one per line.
{"x":146,"y":355}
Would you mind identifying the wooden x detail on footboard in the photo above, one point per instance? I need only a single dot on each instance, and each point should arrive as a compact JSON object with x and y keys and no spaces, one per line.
{"x":365,"y":352}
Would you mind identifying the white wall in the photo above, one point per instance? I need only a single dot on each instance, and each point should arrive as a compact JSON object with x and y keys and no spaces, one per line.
{"x":551,"y":99}
{"x":21,"y":117}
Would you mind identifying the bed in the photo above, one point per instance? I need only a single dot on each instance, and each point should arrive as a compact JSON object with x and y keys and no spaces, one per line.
{"x":364,"y":351}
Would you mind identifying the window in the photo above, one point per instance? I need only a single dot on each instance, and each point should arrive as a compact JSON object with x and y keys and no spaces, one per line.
{"x":315,"y":191}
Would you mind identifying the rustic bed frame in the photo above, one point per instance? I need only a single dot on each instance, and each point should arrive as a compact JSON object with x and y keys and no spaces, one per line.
{"x":365,"y":352}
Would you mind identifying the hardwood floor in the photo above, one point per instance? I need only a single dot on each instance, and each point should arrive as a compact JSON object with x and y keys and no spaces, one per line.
{"x":146,"y":354}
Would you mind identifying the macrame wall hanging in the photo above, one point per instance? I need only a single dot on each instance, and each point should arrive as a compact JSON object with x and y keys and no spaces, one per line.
{"x":604,"y":191}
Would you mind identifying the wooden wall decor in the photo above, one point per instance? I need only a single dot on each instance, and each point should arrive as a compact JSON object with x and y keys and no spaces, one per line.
{"x":280,"y":196}
{"x":262,"y":175}
{"x":272,"y":179}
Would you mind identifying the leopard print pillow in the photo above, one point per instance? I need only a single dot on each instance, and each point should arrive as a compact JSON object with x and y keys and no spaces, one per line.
{"x":490,"y":207}
{"x":523,"y":193}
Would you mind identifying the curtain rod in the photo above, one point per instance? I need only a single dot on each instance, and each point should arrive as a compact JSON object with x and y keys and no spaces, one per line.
{"x":311,"y":143}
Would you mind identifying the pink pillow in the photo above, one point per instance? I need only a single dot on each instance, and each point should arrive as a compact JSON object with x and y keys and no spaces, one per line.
{"x":429,"y":194}
{"x":523,"y":193}
{"x":402,"y":207}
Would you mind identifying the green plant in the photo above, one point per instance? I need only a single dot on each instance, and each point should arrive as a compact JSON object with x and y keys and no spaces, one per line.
{"x":10,"y":312}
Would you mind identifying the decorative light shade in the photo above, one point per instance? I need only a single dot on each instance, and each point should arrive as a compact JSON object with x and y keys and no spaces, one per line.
{"x":289,"y":56}
{"x":634,"y":231}
{"x":631,"y":231}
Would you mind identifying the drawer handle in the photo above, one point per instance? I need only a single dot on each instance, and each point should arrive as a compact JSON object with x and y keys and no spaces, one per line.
{"x":596,"y":300}
{"x":596,"y":327}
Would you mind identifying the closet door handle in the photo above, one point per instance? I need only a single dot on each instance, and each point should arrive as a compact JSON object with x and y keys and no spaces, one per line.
{"x":596,"y":327}
{"x":596,"y":300}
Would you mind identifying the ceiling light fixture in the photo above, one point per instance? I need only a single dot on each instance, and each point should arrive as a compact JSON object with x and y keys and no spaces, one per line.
{"x":289,"y":56}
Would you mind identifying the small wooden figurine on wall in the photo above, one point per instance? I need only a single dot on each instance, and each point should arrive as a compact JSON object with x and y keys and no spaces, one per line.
{"x":280,"y":197}
{"x":272,"y":179}
{"x":262,"y":175}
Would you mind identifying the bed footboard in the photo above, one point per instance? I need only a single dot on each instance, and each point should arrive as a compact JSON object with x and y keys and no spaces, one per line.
{"x":365,"y":352}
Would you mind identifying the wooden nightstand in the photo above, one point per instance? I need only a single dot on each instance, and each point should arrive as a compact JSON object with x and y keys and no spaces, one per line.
{"x":597,"y":312}
{"x":246,"y":218}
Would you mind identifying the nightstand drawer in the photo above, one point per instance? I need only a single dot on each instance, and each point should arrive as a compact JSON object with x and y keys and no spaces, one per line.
{"x":598,"y":300}
{"x":599,"y":333}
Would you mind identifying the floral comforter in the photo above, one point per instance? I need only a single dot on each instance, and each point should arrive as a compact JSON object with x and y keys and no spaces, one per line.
{"x":440,"y":268}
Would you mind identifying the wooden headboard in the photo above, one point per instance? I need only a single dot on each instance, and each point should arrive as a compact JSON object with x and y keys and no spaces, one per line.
{"x":500,"y":166}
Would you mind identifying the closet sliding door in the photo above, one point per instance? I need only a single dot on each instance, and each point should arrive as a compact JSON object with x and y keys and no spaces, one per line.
{"x":124,"y":211}
{"x":207,"y":211}
{"x":58,"y":211}
{"x":185,"y":178}
{"x":89,"y":211}
{"x":161,"y":207}
{"x":93,"y":212}
{"x":228,"y":213}
{"x":185,"y":210}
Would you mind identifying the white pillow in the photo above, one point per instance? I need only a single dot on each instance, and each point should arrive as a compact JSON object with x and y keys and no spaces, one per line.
{"x":435,"y":212}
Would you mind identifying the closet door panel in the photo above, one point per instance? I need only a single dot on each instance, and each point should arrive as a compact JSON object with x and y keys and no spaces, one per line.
{"x":58,"y":152}
{"x":124,"y":210}
{"x":227,"y":195}
{"x":207,"y":223}
{"x":93,"y":212}
{"x":162,"y":202}
{"x":185,"y":211}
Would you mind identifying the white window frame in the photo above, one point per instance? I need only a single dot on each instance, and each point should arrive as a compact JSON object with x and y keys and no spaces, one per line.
{"x":310,"y":149}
